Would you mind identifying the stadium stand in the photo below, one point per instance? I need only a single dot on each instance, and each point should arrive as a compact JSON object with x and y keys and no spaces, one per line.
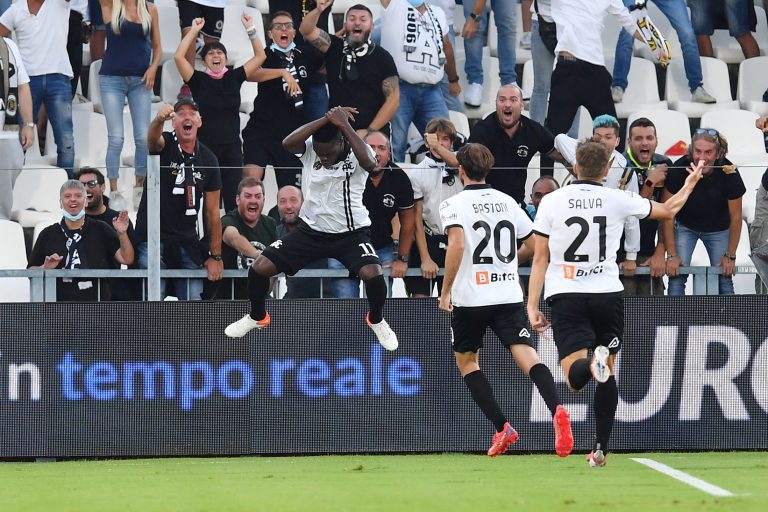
{"x":36,"y":195}
{"x":642,"y":92}
{"x":752,"y":84}
{"x":715,"y":74}
{"x":13,"y":256}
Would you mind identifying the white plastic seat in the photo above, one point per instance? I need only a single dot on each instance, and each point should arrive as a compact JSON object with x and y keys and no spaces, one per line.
{"x":738,"y":127}
{"x":170,"y":82}
{"x":248,"y":92}
{"x":233,"y":35}
{"x":94,"y":92}
{"x":460,"y":121}
{"x":90,"y":133}
{"x":168,"y":14}
{"x":728,"y":49}
{"x":671,"y":127}
{"x":521,"y":55}
{"x":715,"y":74}
{"x":13,"y":256}
{"x":260,"y":5}
{"x":36,"y":195}
{"x":642,"y":91}
{"x":753,"y":81}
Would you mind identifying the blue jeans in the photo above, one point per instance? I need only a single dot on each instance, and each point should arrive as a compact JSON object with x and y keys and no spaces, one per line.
{"x":736,"y":15}
{"x":451,"y":101}
{"x":315,"y":101}
{"x":677,"y":14}
{"x":114,"y":90}
{"x":419,"y":104}
{"x":505,"y":18}
{"x":4,"y":5}
{"x":716,"y":244}
{"x":185,"y":289}
{"x":55,"y":92}
{"x":349,"y":288}
{"x":543,"y":61}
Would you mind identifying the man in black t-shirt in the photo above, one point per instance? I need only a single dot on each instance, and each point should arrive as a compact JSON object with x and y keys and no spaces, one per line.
{"x":278,"y":109}
{"x":712,"y":213}
{"x":388,"y":192}
{"x":189,"y":173}
{"x":246,"y":232}
{"x":513,"y":140}
{"x":361,"y":74}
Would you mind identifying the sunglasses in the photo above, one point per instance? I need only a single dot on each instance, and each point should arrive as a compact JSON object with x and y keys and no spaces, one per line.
{"x":282,"y":26}
{"x":90,"y":183}
{"x":707,"y":131}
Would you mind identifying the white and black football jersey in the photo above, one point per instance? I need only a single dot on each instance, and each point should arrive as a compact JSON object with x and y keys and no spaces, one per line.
{"x":493,"y":222}
{"x":584,"y":222}
{"x":333,"y":197}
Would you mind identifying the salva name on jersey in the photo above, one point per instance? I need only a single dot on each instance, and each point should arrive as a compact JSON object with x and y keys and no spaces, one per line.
{"x":585,"y":203}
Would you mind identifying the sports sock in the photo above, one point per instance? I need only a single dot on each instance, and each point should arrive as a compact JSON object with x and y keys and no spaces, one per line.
{"x":376,"y":291}
{"x":257,"y":290}
{"x":606,"y":399}
{"x":545,"y":383}
{"x":482,"y":394}
{"x":579,"y":374}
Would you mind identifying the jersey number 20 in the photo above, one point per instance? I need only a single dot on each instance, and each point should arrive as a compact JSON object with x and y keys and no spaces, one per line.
{"x":477,"y":256}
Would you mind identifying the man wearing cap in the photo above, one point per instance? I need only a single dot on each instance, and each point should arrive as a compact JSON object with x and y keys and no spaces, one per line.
{"x":189,"y":173}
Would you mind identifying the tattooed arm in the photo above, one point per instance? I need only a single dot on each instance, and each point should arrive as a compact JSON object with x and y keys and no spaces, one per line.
{"x":315,"y":36}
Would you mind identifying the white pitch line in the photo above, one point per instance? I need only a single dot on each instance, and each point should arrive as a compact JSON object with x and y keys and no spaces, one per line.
{"x":685,"y":478}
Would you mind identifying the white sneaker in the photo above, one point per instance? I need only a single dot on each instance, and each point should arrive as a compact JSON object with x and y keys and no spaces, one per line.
{"x":386,"y":336}
{"x":525,"y":41}
{"x":617,"y":93}
{"x":474,"y":95}
{"x":245,"y":325}
{"x":700,"y":95}
{"x":599,"y":364}
{"x":117,"y":201}
{"x":137,"y":193}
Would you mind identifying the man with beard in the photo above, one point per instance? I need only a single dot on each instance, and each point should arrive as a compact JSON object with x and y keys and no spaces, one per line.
{"x":388,"y":192}
{"x":78,"y":242}
{"x":246,"y":232}
{"x":289,"y":201}
{"x":361,"y":74}
{"x":333,"y":222}
{"x":651,"y":170}
{"x":97,"y":207}
{"x":513,"y":140}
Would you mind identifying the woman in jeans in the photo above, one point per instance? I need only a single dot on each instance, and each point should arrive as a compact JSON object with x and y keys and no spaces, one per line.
{"x":128,"y":71}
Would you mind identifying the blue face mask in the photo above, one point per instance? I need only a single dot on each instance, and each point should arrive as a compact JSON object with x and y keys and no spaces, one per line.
{"x":416,"y":3}
{"x":73,"y":218}
{"x":278,"y":48}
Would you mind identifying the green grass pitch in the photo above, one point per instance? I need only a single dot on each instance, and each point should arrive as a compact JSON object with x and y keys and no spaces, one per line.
{"x":441,"y":482}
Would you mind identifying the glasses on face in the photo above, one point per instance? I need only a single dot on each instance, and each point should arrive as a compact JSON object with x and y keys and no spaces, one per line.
{"x":90,"y":183}
{"x":282,"y":26}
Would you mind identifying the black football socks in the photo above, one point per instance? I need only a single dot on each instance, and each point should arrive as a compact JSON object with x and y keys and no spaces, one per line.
{"x":376,"y":291}
{"x":482,"y":394}
{"x":258,"y":286}
{"x":545,"y":383}
{"x":579,"y":374}
{"x":606,"y":399}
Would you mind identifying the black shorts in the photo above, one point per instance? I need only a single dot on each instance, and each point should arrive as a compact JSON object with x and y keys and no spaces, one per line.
{"x":419,"y":285}
{"x":507,"y":321}
{"x":304,"y":245}
{"x":214,"y":17}
{"x":586,"y":321}
{"x":261,"y":149}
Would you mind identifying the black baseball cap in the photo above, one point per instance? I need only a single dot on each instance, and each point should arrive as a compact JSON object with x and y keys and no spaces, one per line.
{"x":185,"y":101}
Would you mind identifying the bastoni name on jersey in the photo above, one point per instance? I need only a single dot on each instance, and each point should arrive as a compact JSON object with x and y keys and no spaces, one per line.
{"x":490,"y":207}
{"x":585,"y":204}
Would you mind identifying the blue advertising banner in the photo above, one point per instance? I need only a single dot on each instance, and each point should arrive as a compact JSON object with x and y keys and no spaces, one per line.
{"x":155,"y":379}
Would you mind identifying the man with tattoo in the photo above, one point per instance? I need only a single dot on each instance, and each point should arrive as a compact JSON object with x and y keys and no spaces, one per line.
{"x":361,"y":74}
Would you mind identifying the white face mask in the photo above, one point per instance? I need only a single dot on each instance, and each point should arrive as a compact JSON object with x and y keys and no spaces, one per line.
{"x":416,"y":3}
{"x":73,"y":218}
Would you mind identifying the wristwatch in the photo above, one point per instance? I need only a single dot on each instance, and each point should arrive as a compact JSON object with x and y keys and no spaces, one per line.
{"x":649,"y":183}
{"x":216,"y":257}
{"x":731,"y":257}
{"x":473,"y":16}
{"x":403,"y":257}
{"x":29,"y":125}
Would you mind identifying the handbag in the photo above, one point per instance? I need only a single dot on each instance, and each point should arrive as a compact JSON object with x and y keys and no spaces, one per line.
{"x":547,"y":30}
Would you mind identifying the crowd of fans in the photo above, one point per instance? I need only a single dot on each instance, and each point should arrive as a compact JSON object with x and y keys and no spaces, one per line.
{"x":393,"y":71}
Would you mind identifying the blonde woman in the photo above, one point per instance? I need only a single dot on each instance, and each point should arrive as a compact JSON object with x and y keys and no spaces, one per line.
{"x":128,"y":70}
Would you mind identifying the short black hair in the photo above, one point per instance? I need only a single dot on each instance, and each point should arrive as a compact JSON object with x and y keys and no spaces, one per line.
{"x":642,"y":122}
{"x":212,"y":46}
{"x":327,"y":133}
{"x":90,"y":170}
{"x":359,"y":7}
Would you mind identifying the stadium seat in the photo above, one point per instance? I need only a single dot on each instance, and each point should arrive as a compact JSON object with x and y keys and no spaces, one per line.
{"x":491,"y":84}
{"x":527,"y":78}
{"x":738,"y":127}
{"x":642,"y":92}
{"x":460,"y":121}
{"x":260,"y":5}
{"x":728,"y":50}
{"x":36,"y":195}
{"x":716,"y":79}
{"x":13,"y":256}
{"x":94,"y":92}
{"x":248,"y":92}
{"x":170,"y":33}
{"x":233,"y":36}
{"x":90,"y":132}
{"x":521,"y":55}
{"x":672,"y":127}
{"x":170,"y":82}
{"x":753,"y":81}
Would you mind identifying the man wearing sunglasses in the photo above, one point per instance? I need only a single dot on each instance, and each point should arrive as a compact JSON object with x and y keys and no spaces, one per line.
{"x":712,"y":213}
